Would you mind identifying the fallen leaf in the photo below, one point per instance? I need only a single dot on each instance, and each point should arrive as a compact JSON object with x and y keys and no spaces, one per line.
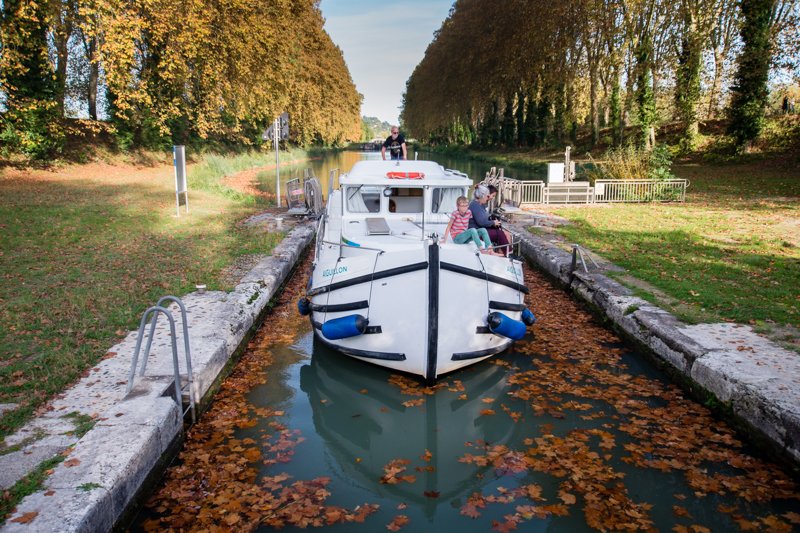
{"x":26,"y":518}
{"x":792,"y":517}
{"x":567,"y":498}
{"x":397,"y":523}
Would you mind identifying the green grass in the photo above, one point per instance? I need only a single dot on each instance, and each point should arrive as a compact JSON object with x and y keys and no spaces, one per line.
{"x":83,"y":423}
{"x":731,"y":252}
{"x":205,"y":175}
{"x":84,"y":251}
{"x":25,"y":486}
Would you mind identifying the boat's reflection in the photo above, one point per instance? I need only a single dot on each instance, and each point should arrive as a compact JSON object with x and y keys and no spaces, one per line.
{"x":364,"y":425}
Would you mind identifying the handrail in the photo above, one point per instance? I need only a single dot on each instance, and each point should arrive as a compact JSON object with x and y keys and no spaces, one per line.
{"x":156,"y":310}
{"x":351,"y":246}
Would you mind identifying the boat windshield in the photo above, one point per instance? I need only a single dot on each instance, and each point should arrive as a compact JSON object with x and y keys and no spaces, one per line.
{"x":443,"y":199}
{"x":363,"y":199}
{"x":408,"y":200}
{"x":405,"y":199}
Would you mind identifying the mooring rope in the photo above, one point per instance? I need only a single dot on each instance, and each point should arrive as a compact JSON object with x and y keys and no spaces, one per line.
{"x":371,"y":281}
{"x":486,"y":276}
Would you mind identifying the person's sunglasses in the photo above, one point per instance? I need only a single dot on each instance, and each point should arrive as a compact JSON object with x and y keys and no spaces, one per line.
{"x":395,"y":132}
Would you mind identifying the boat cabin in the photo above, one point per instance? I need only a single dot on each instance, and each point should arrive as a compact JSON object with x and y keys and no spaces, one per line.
{"x":404,"y":199}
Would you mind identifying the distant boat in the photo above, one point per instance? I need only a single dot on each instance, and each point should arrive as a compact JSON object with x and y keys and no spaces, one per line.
{"x":385,"y":290}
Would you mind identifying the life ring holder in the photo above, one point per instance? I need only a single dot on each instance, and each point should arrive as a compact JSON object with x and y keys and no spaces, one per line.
{"x":398,"y":175}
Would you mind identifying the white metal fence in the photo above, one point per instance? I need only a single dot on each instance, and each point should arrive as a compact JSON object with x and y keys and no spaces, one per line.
{"x":640,"y":190}
{"x":523,"y":193}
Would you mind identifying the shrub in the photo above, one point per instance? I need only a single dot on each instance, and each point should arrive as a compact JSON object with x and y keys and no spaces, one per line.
{"x":632,"y":162}
{"x":32,"y":131}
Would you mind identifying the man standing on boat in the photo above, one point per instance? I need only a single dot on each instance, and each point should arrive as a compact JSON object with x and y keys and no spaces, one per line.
{"x":396,"y":144}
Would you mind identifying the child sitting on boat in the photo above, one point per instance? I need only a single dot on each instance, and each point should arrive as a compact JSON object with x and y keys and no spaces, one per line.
{"x":459,"y":229}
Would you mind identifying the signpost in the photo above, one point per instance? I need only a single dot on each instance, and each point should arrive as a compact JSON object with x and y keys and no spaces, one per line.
{"x":179,"y":162}
{"x":278,"y":131}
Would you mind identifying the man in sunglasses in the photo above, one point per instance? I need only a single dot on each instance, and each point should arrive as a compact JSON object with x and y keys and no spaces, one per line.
{"x":396,"y":144}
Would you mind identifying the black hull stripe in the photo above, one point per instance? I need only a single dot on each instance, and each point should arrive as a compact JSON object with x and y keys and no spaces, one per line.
{"x":433,"y":313}
{"x":480,"y":353}
{"x":369,"y":277}
{"x":482,"y":275}
{"x":335,"y":308}
{"x":500,"y":306}
{"x":385,"y":356}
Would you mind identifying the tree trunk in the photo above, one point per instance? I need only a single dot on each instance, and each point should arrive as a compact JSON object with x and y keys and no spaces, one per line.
{"x":750,"y":90}
{"x":687,"y":89}
{"x":716,"y":85}
{"x":520,"y":116}
{"x":90,"y":48}
{"x":594,"y":113}
{"x":62,"y":54}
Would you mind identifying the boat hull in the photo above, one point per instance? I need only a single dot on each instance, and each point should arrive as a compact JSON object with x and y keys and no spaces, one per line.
{"x":426,"y":308}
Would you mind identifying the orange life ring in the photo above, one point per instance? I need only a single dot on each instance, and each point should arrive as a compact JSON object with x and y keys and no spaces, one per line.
{"x":405,"y":175}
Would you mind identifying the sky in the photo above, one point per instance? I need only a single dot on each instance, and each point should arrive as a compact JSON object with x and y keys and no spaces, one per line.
{"x":382,"y":42}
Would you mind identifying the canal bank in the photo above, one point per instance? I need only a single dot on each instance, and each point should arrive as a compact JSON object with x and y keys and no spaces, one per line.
{"x":127,"y":439}
{"x":727,"y":365}
{"x":105,"y":469}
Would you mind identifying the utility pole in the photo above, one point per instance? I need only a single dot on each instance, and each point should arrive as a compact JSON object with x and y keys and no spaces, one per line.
{"x":277,"y":131}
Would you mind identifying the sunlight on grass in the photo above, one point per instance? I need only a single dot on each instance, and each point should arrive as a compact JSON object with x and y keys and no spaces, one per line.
{"x":731,"y":257}
{"x":83,"y":257}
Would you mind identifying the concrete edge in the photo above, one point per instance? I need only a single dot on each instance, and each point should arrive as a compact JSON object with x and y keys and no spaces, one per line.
{"x":765,"y":417}
{"x":106,"y":471}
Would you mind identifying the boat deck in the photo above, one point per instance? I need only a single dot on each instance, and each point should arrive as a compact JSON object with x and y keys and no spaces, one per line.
{"x":390,"y":232}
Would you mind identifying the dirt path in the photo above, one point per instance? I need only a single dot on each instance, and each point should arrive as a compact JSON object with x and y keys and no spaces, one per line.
{"x":246,"y":182}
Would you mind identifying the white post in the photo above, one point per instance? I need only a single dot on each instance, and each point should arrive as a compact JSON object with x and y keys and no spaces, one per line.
{"x":276,"y":128}
{"x":567,"y":174}
{"x":181,"y":187}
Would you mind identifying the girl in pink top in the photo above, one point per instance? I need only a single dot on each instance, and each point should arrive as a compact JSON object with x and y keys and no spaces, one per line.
{"x":459,"y":229}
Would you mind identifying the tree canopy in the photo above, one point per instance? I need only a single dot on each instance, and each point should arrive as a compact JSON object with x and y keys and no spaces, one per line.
{"x":532,"y":73}
{"x":174,"y":71}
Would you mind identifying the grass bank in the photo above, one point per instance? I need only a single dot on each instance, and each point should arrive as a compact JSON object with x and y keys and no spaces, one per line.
{"x":731,"y":252}
{"x":85,"y":249}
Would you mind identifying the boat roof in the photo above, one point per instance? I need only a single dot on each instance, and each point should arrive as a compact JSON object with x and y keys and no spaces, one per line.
{"x":405,"y":172}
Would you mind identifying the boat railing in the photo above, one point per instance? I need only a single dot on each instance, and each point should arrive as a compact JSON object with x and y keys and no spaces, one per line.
{"x":343,"y":245}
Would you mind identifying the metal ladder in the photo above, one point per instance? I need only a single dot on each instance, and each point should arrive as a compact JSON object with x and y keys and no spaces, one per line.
{"x":155,"y":311}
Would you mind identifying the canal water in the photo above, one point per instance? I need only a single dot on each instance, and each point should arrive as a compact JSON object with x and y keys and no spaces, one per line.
{"x":568,"y":431}
{"x":344,"y":160}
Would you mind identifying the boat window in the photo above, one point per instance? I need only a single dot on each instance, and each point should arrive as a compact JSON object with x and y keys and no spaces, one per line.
{"x":405,"y":199}
{"x":363,"y":199}
{"x":443,"y":199}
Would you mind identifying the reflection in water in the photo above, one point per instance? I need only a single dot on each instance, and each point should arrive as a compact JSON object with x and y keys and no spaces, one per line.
{"x":365,"y":425}
{"x":344,"y":160}
{"x":354,"y":423}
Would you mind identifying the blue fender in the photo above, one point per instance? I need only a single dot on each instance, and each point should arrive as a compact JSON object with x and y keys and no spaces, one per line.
{"x":344,"y":327}
{"x":500,"y":324}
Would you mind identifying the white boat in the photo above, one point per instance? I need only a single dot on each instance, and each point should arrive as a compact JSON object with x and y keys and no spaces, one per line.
{"x":386,"y":290}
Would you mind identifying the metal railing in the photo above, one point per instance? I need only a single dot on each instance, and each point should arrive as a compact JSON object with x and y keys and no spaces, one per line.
{"x":154,"y":312}
{"x":569,"y":193}
{"x":640,"y":190}
{"x":521,"y":193}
